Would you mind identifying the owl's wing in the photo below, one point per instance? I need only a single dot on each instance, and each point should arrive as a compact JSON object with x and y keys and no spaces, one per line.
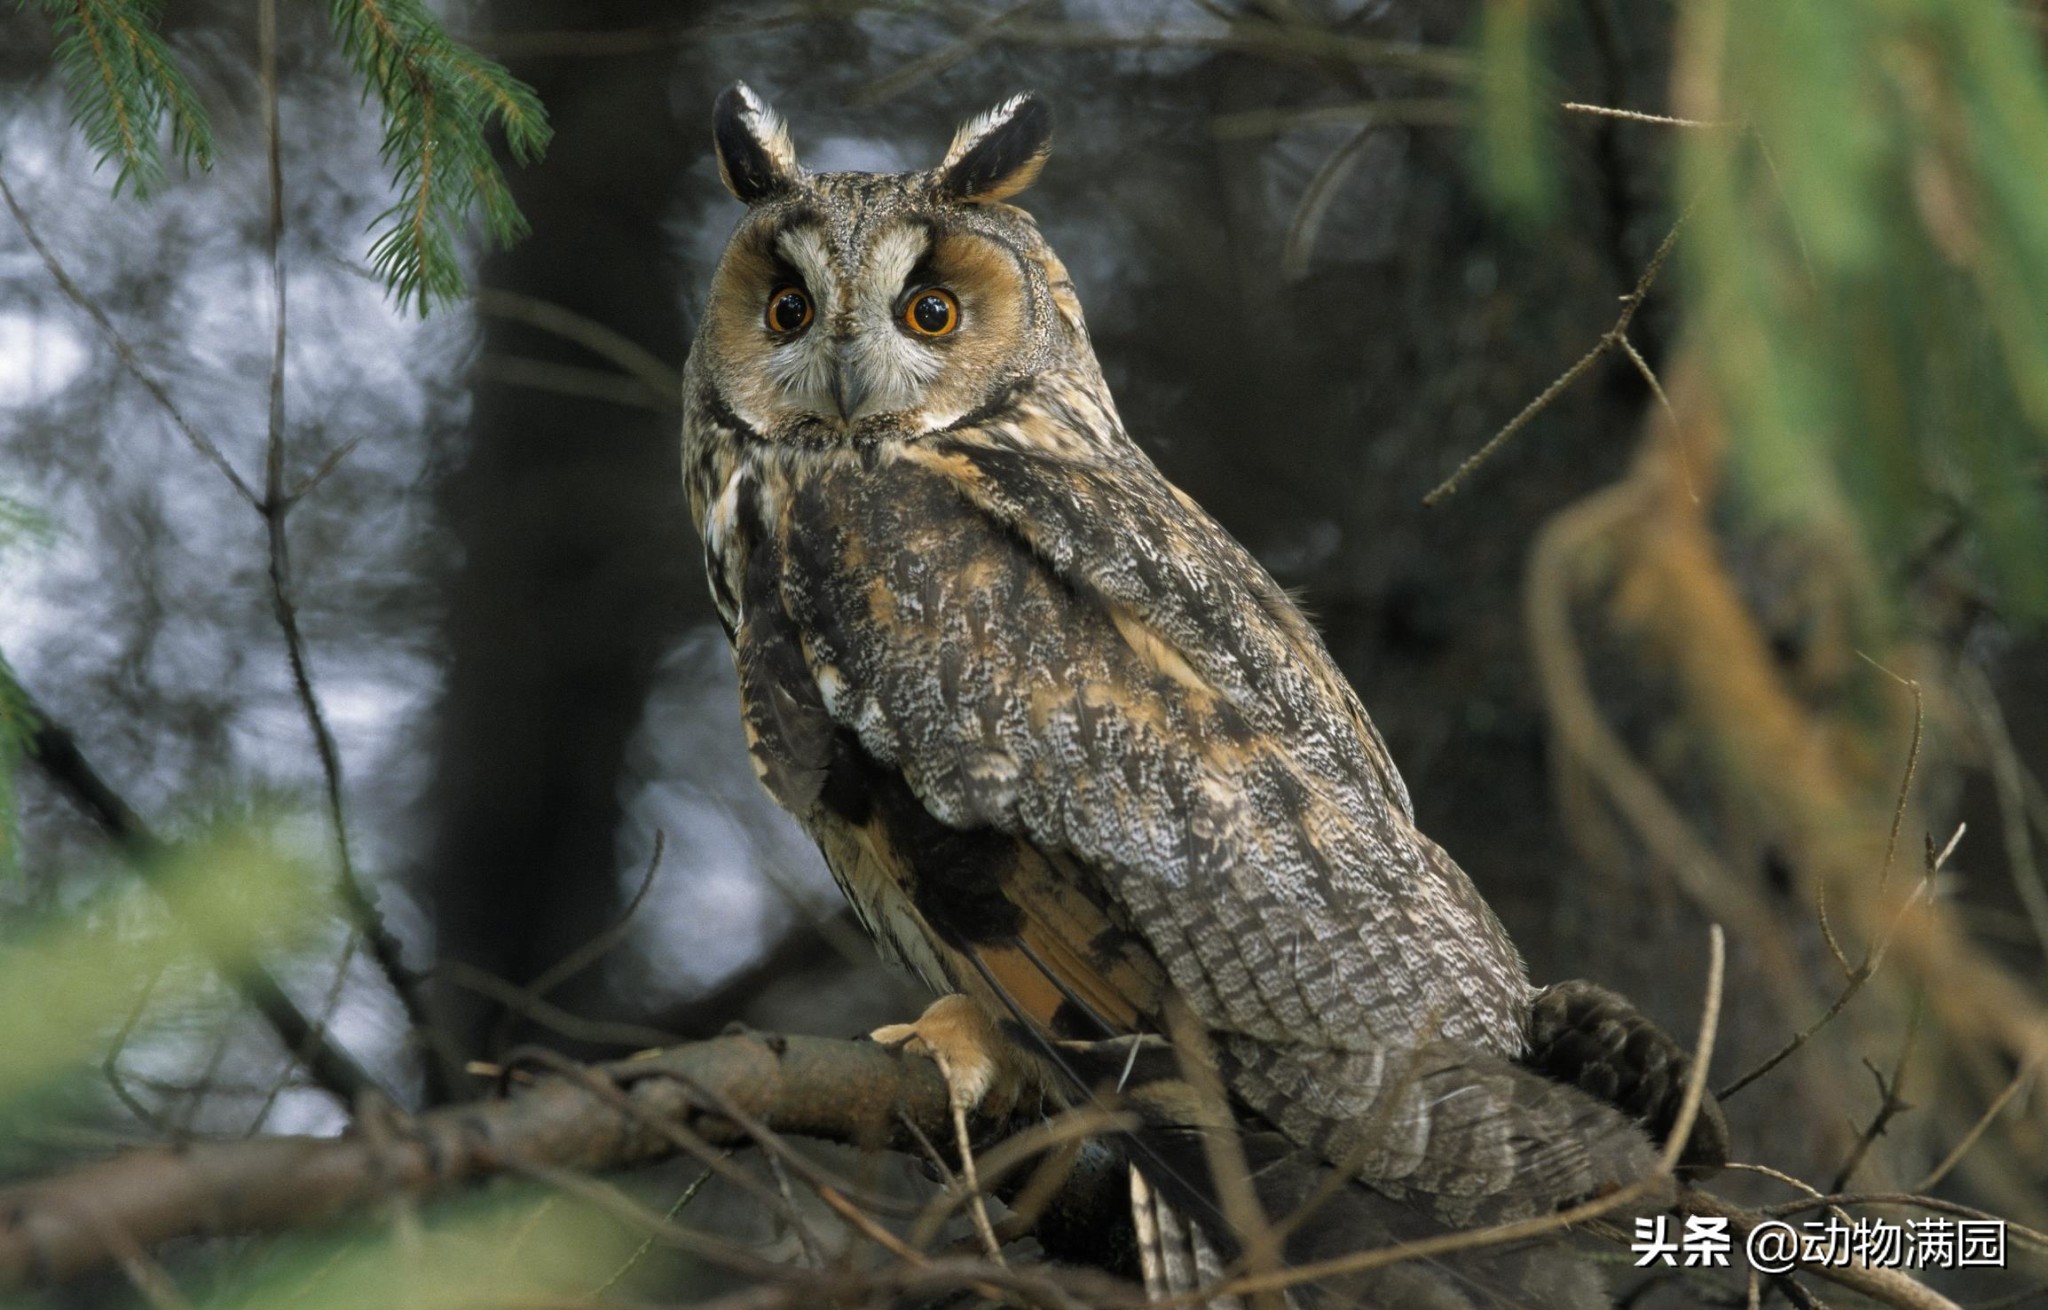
{"x":1057,"y":707}
{"x":1086,"y":665}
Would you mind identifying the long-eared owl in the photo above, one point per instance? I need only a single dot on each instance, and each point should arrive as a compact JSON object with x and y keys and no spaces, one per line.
{"x":1068,"y":749}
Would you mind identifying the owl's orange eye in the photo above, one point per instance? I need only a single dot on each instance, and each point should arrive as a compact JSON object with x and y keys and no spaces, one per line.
{"x":932,"y":313}
{"x":789,"y":310}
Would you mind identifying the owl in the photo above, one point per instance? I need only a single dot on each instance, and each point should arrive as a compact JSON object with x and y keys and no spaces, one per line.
{"x":1072,"y":754}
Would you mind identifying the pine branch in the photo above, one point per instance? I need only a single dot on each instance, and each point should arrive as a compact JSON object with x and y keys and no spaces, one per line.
{"x":119,"y":74}
{"x":439,"y":101}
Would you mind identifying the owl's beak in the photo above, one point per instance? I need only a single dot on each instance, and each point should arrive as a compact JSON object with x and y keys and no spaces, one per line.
{"x":849,"y":392}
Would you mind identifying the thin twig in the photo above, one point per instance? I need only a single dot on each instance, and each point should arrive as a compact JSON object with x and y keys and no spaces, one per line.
{"x":977,"y":1204}
{"x":1932,"y":1204}
{"x":274,"y":508}
{"x":110,"y":1066}
{"x":814,"y":1255}
{"x":871,"y":1230}
{"x":1891,"y":841}
{"x":1969,"y":1139}
{"x":632,"y":359}
{"x":1649,"y":375}
{"x":589,"y":953}
{"x":766,"y":1138}
{"x":1612,"y":339}
{"x":548,"y":1015}
{"x":311,"y":482}
{"x":604,"y":1196}
{"x":647,"y":1243}
{"x":122,"y":350}
{"x":1889,"y":1104}
{"x":677,"y":1133}
{"x":938,"y":61}
{"x":1887,"y":1286}
{"x":1662,"y":120}
{"x":1861,"y":974}
{"x":330,"y":1004}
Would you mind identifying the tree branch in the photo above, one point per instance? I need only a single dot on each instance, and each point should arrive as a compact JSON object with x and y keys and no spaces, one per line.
{"x":564,"y":1119}
{"x":612,"y":1115}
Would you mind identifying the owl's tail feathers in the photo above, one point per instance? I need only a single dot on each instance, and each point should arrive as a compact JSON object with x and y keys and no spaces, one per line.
{"x":1463,"y":1141}
{"x":1583,"y":1034}
{"x":1173,"y":1254}
{"x":1321,"y":1218}
{"x":1469,"y":1137}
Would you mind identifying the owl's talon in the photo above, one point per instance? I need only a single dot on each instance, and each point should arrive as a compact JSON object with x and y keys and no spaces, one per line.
{"x":983,"y":1073}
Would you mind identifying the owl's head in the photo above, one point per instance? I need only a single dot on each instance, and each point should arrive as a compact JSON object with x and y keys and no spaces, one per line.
{"x":873,"y":305}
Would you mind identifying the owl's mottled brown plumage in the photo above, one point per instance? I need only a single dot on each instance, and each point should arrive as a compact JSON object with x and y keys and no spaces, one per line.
{"x":1066,"y":746}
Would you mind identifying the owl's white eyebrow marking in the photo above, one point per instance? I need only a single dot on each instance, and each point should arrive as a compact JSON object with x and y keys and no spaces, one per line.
{"x":896,"y":255}
{"x":806,"y":250}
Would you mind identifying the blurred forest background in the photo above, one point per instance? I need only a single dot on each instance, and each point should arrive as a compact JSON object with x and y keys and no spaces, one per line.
{"x":1663,"y":659}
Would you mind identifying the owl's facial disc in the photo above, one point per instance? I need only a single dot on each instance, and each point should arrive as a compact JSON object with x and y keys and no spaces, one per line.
{"x":895,"y":331}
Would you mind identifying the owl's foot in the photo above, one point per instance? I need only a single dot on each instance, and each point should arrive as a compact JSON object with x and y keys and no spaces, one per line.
{"x":982,"y":1068}
{"x":982,"y":1072}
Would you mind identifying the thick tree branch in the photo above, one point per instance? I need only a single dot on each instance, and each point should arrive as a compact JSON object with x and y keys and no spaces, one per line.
{"x":571,"y":1119}
{"x":600,"y":1117}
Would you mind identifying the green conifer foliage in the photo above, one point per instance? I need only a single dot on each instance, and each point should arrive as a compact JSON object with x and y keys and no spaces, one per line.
{"x":438,"y":100}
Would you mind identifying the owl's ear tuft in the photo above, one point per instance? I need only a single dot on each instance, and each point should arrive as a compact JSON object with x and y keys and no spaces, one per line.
{"x":755,"y":157}
{"x":999,"y":153}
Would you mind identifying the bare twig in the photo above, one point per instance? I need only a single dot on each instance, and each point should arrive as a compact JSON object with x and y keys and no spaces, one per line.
{"x":1612,"y":339}
{"x":1861,"y":974}
{"x":1932,"y":1204}
{"x":573,"y":380}
{"x":938,"y":61}
{"x":977,"y":1203}
{"x":110,"y":1064}
{"x":582,"y":957}
{"x":814,"y":1254}
{"x":647,"y":1244}
{"x":1891,"y":840}
{"x":275,"y":508}
{"x":1969,"y":1139}
{"x":629,"y":356}
{"x":546,"y":1014}
{"x":122,"y":350}
{"x":1889,"y":1103}
{"x":1649,"y":376}
{"x":1886,"y":1286}
{"x":871,"y":1230}
{"x":1662,"y":120}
